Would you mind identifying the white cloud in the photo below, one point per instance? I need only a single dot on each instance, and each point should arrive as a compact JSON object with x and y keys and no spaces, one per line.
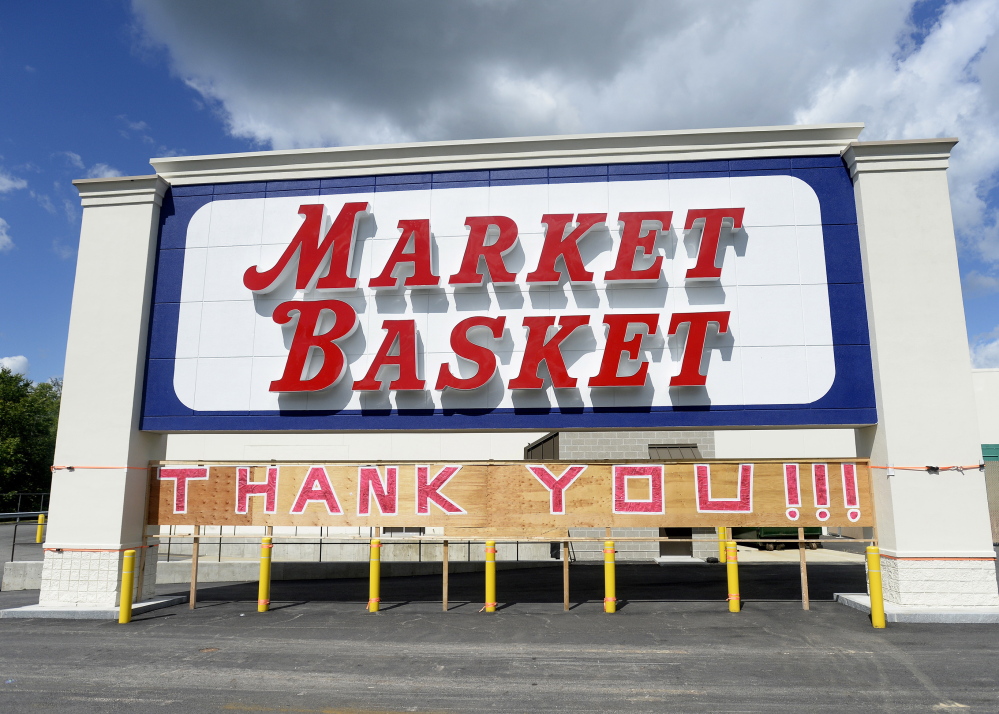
{"x":10,"y":183}
{"x":44,"y":201}
{"x":71,"y":209}
{"x":133,"y":125}
{"x":17,"y":364}
{"x":103,"y":171}
{"x":74,"y":159}
{"x":98,"y":170}
{"x":6,"y":242}
{"x":946,"y":87}
{"x":985,"y":354}
{"x":977,"y":284}
{"x":64,"y":251}
{"x":301,"y":74}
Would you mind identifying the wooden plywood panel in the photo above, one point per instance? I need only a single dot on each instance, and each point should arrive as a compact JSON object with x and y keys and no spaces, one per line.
{"x":510,"y":497}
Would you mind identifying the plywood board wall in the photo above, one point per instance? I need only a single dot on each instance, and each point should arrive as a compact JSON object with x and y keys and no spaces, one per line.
{"x":509,"y":498}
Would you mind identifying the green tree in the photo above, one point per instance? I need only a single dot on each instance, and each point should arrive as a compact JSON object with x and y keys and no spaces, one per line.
{"x":29,"y":413}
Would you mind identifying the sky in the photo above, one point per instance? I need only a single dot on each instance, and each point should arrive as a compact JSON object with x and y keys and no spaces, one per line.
{"x":98,"y":88}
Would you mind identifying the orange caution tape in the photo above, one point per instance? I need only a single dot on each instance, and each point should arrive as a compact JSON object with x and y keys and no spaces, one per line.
{"x":97,"y":550}
{"x":975,"y":467}
{"x":74,"y":468}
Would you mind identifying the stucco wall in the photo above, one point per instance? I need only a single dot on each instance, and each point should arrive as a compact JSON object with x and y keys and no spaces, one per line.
{"x":986,"y":383}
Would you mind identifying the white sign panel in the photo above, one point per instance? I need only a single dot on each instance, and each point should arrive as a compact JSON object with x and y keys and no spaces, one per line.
{"x":647,"y":295}
{"x":767,"y":337}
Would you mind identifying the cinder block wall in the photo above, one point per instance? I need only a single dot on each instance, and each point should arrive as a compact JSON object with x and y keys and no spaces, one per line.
{"x":625,"y":550}
{"x":598,"y":445}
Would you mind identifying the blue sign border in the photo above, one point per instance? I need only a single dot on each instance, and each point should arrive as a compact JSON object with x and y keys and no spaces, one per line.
{"x":850,"y":400}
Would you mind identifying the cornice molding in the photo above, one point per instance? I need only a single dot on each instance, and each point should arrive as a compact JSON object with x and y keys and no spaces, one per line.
{"x":699,"y":145}
{"x":121,"y":190}
{"x":907,"y":155}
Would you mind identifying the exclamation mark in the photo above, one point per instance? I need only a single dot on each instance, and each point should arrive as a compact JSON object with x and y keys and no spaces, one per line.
{"x":792,"y":491}
{"x":851,"y":496}
{"x":820,"y":487}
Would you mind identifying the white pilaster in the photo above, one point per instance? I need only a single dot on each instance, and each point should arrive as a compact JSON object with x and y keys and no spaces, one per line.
{"x":98,"y":508}
{"x":933,"y":528}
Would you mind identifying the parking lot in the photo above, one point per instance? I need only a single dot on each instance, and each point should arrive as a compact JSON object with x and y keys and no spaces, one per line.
{"x":673,"y":646}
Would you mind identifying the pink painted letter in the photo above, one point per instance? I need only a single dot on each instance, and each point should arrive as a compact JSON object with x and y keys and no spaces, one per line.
{"x":556,"y":486}
{"x":656,"y":502}
{"x":246,"y":488}
{"x":180,"y":477}
{"x":317,"y":487}
{"x":743,"y":503}
{"x":386,"y":493}
{"x":429,"y":490}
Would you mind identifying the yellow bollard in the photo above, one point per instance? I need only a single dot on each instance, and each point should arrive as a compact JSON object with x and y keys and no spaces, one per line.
{"x":732,"y":561}
{"x":490,"y":605}
{"x":264,"y":591}
{"x":610,"y":578}
{"x":722,"y":537}
{"x":127,"y":582}
{"x":40,"y":530}
{"x":375,"y":575}
{"x":877,"y":594}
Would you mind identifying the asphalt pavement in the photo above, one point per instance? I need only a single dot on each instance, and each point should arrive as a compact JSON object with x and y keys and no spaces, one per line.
{"x":672,"y":647}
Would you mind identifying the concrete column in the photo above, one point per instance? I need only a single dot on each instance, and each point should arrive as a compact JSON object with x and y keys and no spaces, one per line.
{"x":933,"y":528}
{"x":98,"y":508}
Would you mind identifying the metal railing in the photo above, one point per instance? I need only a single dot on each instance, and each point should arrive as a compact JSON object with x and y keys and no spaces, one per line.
{"x":20,"y":500}
{"x":36,"y":518}
{"x":249,"y":542}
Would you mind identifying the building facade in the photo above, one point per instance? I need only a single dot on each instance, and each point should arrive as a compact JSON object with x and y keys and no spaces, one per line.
{"x":763,"y":293}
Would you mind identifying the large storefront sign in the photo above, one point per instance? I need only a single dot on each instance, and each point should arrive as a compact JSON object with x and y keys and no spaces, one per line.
{"x":716,"y":294}
{"x":538,"y":499}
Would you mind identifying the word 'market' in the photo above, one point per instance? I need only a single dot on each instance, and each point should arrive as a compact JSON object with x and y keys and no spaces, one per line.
{"x":323,"y":262}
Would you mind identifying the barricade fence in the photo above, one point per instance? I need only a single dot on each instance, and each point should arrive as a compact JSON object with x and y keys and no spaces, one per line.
{"x":490,"y":512}
{"x":217,"y":545}
{"x":374,"y":548}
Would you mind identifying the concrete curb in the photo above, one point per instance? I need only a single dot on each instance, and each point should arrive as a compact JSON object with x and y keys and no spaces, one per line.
{"x":22,"y":575}
{"x":88,"y":613}
{"x":910,"y":613}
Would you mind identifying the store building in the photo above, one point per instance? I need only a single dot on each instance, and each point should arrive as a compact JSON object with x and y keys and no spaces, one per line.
{"x":733,"y":295}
